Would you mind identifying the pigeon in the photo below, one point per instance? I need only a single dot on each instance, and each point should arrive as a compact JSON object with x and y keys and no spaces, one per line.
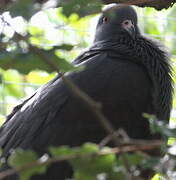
{"x":127,"y":73}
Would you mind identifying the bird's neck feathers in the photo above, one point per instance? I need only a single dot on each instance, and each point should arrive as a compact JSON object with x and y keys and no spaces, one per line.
{"x":104,"y":36}
{"x":147,"y":53}
{"x":156,"y":61}
{"x":113,"y":34}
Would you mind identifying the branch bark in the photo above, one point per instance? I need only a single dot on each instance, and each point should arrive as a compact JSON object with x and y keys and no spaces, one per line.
{"x":157,"y":4}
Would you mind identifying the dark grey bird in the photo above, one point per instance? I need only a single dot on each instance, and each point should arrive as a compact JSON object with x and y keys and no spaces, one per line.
{"x":126,"y":72}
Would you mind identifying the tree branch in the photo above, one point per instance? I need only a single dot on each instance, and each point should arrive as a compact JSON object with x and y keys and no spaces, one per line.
{"x":157,"y":4}
{"x":94,"y":107}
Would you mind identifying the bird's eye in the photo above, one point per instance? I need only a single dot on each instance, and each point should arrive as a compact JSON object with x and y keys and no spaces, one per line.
{"x":126,"y":22}
{"x":105,"y":20}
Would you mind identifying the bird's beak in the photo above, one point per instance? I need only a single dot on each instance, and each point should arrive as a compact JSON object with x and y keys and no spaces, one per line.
{"x":128,"y":26}
{"x":131,"y":31}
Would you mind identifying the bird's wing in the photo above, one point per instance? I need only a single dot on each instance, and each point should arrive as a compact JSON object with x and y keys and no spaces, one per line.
{"x":36,"y":111}
{"x":30,"y":115}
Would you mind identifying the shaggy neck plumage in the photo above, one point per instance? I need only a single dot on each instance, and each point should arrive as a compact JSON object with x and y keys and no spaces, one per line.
{"x":148,"y":54}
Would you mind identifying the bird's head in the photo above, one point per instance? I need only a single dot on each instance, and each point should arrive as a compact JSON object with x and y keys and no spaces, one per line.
{"x":117,"y":20}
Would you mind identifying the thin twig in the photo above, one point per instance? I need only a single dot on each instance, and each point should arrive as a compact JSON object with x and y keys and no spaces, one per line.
{"x":123,"y":138}
{"x":93,"y":106}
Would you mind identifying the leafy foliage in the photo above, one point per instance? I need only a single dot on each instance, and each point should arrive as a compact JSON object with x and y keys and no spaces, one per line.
{"x":20,"y":158}
{"x":82,"y":7}
{"x":25,"y":7}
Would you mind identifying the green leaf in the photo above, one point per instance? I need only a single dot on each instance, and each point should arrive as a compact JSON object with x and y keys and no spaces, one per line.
{"x":23,"y":8}
{"x":87,"y":164}
{"x":28,"y":159}
{"x":88,"y":167}
{"x":161,"y":127}
{"x":66,"y":150}
{"x":61,"y":151}
{"x":150,"y":162}
{"x":66,"y":66}
{"x":67,"y":47}
{"x":132,"y":159}
{"x":89,"y":148}
{"x":21,"y":157}
{"x":81,"y":7}
{"x":25,"y":62}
